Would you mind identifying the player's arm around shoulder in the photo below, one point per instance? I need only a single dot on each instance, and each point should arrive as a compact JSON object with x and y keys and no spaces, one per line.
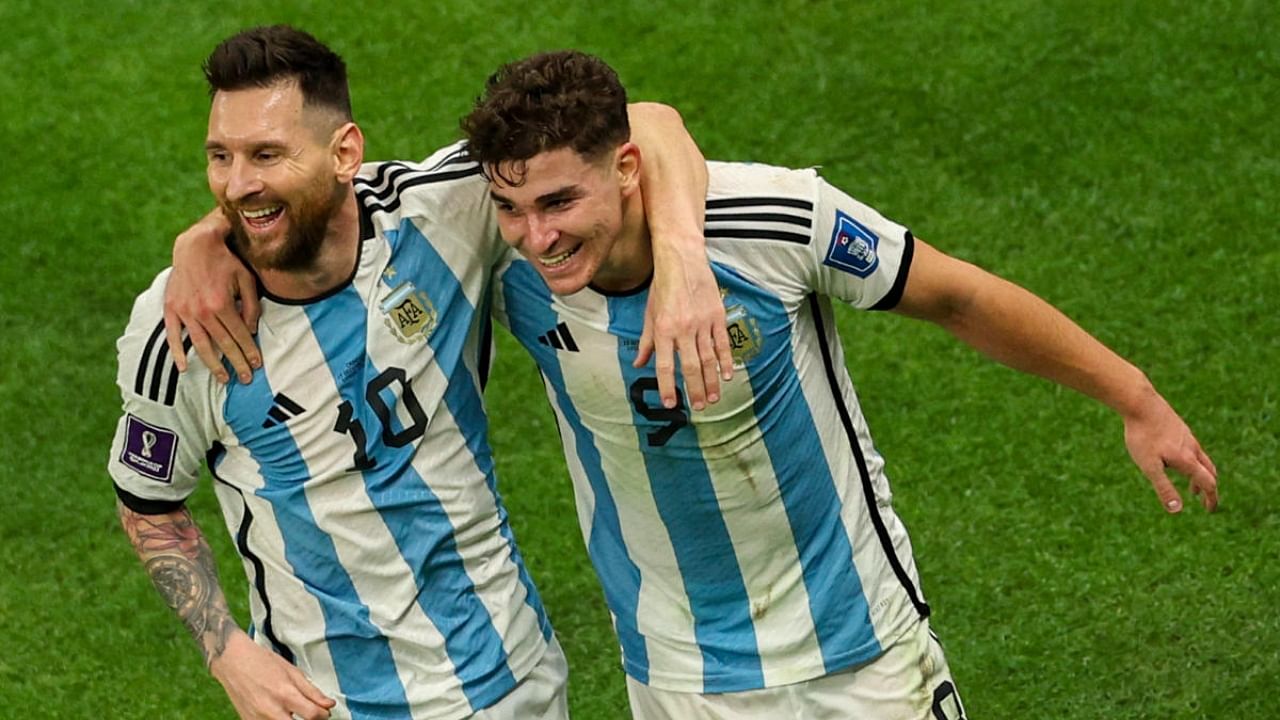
{"x":684,"y":320}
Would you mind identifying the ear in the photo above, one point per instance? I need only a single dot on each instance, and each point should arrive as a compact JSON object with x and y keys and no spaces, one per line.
{"x":348,"y":151}
{"x":627,"y":164}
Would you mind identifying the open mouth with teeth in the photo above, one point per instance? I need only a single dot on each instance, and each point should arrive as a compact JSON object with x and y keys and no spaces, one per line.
{"x":554,"y":261}
{"x":261,"y":218}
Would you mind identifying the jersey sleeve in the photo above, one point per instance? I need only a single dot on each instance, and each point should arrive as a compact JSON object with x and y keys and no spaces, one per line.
{"x":166,"y":423}
{"x":858,"y":255}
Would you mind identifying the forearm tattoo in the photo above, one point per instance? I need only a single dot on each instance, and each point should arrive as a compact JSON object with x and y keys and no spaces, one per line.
{"x":182,"y":568}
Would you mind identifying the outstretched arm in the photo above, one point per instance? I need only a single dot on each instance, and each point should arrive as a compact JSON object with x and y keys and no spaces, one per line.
{"x":260,"y":683}
{"x":685,"y":315}
{"x":1015,"y":327}
{"x":202,"y":295}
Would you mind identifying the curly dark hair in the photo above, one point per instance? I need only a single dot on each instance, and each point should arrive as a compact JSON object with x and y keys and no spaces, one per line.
{"x":546,"y":102}
{"x":262,"y":56}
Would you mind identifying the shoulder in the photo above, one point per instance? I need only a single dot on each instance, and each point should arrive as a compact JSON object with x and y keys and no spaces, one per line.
{"x":728,"y":179}
{"x":446,"y":178}
{"x":445,"y":197}
{"x":750,"y":201}
{"x":145,"y":367}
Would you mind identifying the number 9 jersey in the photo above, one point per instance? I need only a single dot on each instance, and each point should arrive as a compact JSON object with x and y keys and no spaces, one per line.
{"x":354,"y":472}
{"x":751,"y":544}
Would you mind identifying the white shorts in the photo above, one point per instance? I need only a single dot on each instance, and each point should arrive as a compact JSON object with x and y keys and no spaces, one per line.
{"x":910,"y":681}
{"x":540,"y":695}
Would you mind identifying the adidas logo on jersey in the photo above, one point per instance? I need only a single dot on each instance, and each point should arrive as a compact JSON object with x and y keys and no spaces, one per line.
{"x":559,"y":338}
{"x":283,"y":409}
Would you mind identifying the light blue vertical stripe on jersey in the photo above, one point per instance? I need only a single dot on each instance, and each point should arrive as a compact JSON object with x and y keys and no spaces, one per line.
{"x":410,"y":509}
{"x":836,"y":600}
{"x":462,"y":396}
{"x":686,"y":502}
{"x":362,"y":658}
{"x":529,"y":312}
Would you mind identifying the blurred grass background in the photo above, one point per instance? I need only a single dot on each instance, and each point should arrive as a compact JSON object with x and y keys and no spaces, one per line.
{"x":1120,"y":159}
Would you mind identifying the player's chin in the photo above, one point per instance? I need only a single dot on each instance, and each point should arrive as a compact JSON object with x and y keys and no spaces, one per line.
{"x":565,"y":284}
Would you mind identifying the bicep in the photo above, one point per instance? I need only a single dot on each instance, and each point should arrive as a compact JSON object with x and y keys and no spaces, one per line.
{"x":938,"y":285}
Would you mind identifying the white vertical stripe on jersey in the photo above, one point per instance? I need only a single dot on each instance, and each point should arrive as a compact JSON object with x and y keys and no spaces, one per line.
{"x":742,"y":473}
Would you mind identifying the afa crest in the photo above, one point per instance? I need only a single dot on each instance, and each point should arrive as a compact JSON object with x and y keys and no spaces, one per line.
{"x":745,"y":338}
{"x":409,"y":314}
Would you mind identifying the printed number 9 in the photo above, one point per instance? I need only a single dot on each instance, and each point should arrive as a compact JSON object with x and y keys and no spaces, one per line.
{"x":675,"y":418}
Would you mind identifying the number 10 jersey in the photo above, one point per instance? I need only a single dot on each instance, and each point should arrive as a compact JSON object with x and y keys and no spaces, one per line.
{"x":354,"y":472}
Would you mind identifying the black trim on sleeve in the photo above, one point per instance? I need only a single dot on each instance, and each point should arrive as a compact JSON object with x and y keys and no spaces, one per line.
{"x":721,"y":203}
{"x":760,"y":217}
{"x":891,"y":298}
{"x":756,"y":234}
{"x":157,"y":373}
{"x":143,"y":506}
{"x":171,"y":391}
{"x":158,"y":364}
{"x":139,"y":382}
{"x":868,"y":492}
{"x":388,"y":199}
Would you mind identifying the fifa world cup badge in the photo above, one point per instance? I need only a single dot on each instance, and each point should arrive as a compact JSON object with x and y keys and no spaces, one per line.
{"x":408,"y":312}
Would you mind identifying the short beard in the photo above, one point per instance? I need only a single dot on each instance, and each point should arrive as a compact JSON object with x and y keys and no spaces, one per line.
{"x":308,"y":225}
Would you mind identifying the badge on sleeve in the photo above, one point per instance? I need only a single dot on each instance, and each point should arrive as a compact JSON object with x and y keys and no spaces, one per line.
{"x":853,"y":247}
{"x":149,"y":449}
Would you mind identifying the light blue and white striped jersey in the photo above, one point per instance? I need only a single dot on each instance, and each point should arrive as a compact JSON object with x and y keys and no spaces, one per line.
{"x":354,"y":472}
{"x":752,"y":544}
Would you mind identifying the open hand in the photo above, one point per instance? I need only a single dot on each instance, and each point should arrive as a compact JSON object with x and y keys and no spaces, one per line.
{"x":263,"y":686}
{"x":202,"y":294}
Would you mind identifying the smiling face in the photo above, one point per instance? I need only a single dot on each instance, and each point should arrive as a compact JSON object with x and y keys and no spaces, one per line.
{"x":272,"y":170}
{"x":574,"y":218}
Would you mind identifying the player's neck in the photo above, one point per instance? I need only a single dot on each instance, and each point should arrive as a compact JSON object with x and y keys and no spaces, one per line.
{"x":630,"y":261}
{"x":333,"y":266}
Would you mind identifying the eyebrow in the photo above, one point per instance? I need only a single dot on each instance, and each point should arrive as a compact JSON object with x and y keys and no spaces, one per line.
{"x":568,"y":191}
{"x":255,"y":147}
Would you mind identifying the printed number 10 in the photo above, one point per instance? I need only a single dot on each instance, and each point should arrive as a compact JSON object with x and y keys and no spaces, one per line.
{"x":349,"y":424}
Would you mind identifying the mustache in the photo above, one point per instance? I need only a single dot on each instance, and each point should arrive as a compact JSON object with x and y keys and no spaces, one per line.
{"x":251,"y":203}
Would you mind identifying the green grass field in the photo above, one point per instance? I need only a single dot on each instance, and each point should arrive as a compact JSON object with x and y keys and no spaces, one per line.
{"x":1122,"y":159}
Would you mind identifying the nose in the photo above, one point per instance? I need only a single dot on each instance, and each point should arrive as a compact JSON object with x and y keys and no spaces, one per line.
{"x":541,"y":236}
{"x":243,"y":180}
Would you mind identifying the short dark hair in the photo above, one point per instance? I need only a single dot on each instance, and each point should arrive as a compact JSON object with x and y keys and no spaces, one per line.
{"x":546,"y":102}
{"x":263,"y":56}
